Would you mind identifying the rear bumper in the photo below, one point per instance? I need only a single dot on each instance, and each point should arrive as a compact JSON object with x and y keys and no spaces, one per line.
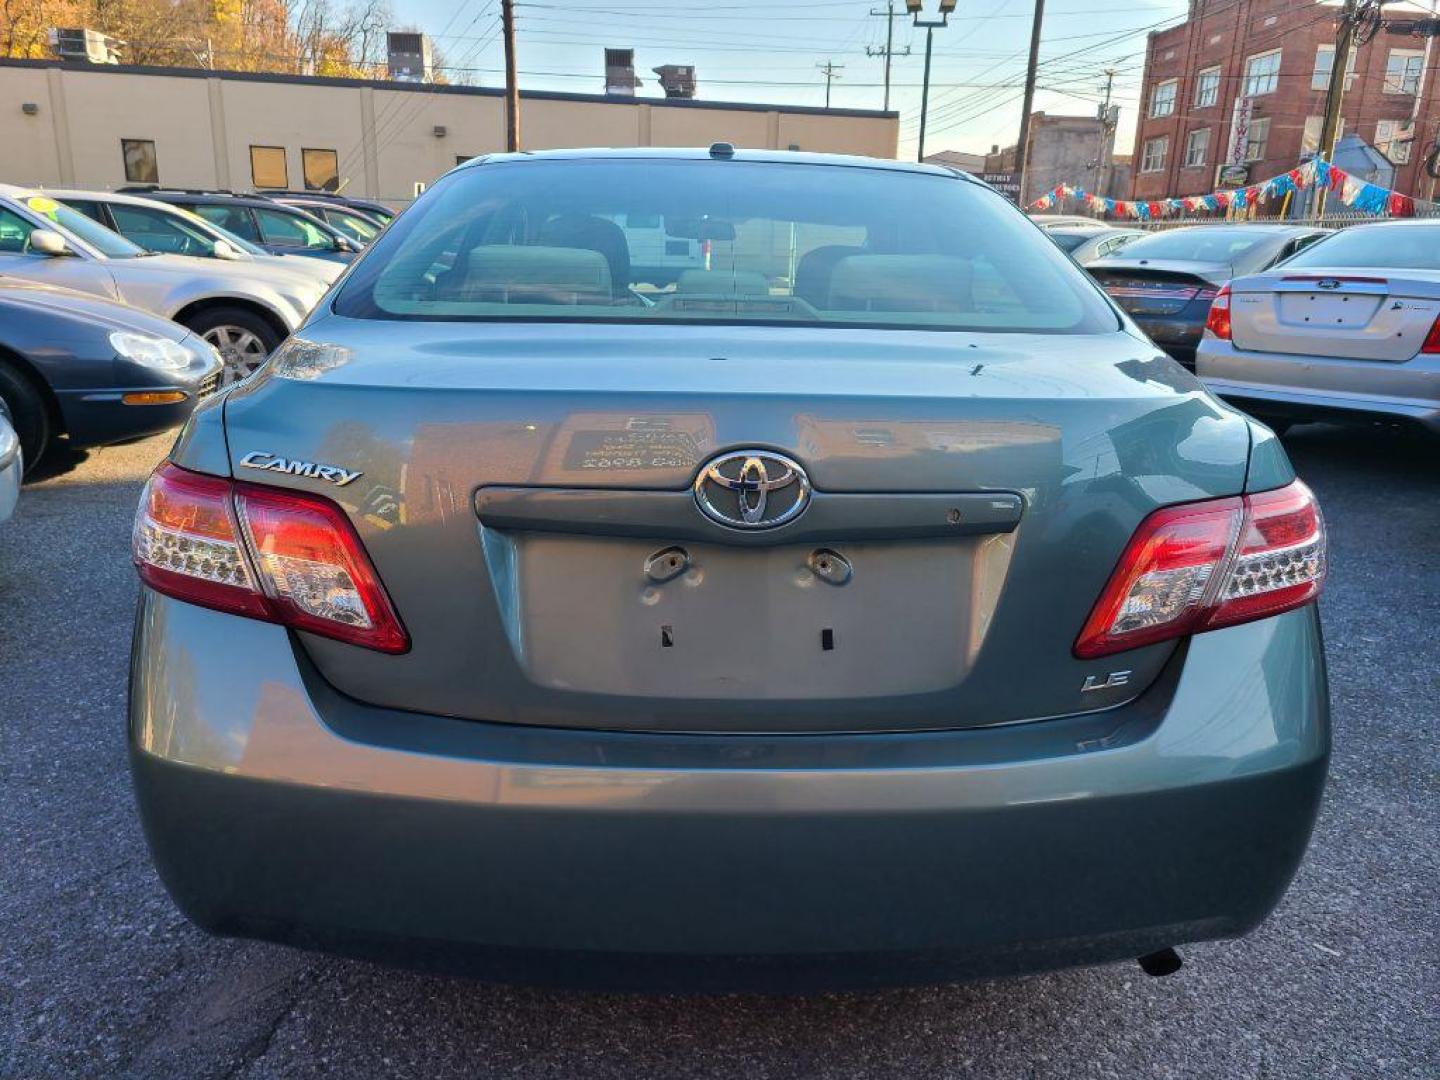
{"x":276,"y":809}
{"x":1307,"y":387}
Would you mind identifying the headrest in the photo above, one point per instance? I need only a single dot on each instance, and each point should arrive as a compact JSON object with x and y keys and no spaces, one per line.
{"x":902,"y":283}
{"x":524,"y":274}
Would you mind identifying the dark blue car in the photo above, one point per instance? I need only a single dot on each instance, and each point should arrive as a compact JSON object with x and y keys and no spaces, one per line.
{"x":91,"y":371}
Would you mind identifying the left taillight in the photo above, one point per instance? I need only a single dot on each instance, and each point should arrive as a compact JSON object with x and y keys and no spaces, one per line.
{"x":1217,"y":321}
{"x":264,"y":553}
{"x":1210,"y":564}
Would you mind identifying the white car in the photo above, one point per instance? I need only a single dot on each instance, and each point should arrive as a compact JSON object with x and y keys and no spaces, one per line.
{"x":166,"y":229}
{"x":243,"y":312}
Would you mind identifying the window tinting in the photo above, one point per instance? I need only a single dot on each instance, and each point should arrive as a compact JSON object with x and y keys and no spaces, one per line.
{"x":141,"y":166}
{"x":97,"y":236}
{"x":267,"y":167}
{"x":1385,"y":247}
{"x":235,"y":219}
{"x":322,"y":170}
{"x":767,"y":242}
{"x":155,"y":230}
{"x":292,"y":230}
{"x":1207,"y":243}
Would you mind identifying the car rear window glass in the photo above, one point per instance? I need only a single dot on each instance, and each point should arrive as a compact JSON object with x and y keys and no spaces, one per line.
{"x":1204,"y":243}
{"x":737,"y":242}
{"x":1069,"y":241}
{"x":1397,"y":247}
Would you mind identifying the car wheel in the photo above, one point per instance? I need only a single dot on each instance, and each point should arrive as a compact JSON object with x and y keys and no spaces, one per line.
{"x":242,"y":338}
{"x":28,"y":413}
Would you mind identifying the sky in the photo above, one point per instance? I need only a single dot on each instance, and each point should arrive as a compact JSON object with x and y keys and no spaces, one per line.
{"x":769,"y":51}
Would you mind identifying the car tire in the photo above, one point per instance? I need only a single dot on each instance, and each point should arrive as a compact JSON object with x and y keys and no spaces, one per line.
{"x":28,"y":412}
{"x":243,"y":338}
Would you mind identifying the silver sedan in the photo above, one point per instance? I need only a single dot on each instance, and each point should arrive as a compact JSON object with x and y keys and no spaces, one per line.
{"x":1347,"y":329}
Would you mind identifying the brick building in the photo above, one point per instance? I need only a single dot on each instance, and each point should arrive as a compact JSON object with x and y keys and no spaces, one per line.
{"x":1243,"y":82}
{"x":1063,"y":150}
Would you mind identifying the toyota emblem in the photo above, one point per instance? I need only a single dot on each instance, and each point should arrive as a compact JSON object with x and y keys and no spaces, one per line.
{"x":752,"y":489}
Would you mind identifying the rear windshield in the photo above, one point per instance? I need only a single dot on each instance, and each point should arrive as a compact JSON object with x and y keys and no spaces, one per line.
{"x":1205,"y":243}
{"x":720,"y":241}
{"x":1397,"y":247}
{"x":1069,"y":241}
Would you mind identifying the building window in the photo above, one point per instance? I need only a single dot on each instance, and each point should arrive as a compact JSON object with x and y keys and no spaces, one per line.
{"x":1262,"y":73}
{"x":1162,"y":98}
{"x":1197,"y":143}
{"x":267,"y":167}
{"x":1310,"y":136}
{"x":1402,"y":71}
{"x":1256,"y":138}
{"x":1393,"y":138}
{"x":322,"y":170}
{"x":140,"y":164}
{"x":1207,"y":87}
{"x":1325,"y":63}
{"x":1153,"y":158}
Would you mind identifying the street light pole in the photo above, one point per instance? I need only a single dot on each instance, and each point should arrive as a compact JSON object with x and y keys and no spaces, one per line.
{"x":916,"y":8}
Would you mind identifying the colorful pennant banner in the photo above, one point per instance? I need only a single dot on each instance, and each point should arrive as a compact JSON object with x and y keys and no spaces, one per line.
{"x":1351,"y":190}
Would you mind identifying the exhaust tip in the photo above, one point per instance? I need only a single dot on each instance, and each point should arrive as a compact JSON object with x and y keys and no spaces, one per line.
{"x":1158,"y":964}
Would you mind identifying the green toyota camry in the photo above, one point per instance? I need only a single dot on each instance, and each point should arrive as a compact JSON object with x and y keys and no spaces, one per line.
{"x":871,"y":603}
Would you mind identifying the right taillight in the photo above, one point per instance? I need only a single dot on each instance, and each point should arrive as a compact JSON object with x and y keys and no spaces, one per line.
{"x":265,"y":553}
{"x":1210,"y":564}
{"x":1218,"y":320}
{"x":1432,"y":339}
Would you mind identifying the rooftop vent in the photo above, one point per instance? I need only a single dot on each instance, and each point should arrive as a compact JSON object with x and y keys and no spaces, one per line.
{"x":85,"y":46}
{"x":409,"y":56}
{"x":678,"y":80}
{"x":620,"y":77}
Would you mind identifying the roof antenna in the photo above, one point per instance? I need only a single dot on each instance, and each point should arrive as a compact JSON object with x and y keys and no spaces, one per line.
{"x":722,"y":150}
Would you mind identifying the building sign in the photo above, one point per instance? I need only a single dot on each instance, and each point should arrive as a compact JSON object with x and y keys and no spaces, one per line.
{"x":1240,"y":117}
{"x":1232,"y":176}
{"x":1006,"y":183}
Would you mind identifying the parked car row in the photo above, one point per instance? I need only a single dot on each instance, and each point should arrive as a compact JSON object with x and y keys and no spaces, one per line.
{"x":1291,"y":322}
{"x":118,"y":312}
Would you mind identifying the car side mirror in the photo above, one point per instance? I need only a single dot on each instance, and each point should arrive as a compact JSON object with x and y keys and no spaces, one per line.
{"x":48,"y":242}
{"x":226,"y":250}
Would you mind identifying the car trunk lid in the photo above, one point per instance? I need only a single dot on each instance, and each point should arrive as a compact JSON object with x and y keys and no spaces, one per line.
{"x":1159,"y":288}
{"x":1354,"y":314}
{"x":524,"y":487}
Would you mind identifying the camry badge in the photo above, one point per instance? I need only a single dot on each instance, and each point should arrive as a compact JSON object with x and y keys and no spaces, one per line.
{"x":752,"y":489}
{"x":264,"y":459}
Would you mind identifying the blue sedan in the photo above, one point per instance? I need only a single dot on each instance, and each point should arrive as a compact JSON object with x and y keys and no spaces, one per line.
{"x":91,"y":371}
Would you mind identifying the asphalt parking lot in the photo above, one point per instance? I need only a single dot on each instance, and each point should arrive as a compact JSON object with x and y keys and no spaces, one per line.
{"x":100,"y":976}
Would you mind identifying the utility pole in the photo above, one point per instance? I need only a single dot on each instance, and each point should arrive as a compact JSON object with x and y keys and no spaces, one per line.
{"x":512,"y":82}
{"x":832,"y":71}
{"x":1106,"y":127}
{"x":1335,"y":92}
{"x":1022,"y":148}
{"x":889,"y":16}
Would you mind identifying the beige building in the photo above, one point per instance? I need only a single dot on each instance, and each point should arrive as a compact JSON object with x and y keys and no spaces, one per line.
{"x":102,"y":126}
